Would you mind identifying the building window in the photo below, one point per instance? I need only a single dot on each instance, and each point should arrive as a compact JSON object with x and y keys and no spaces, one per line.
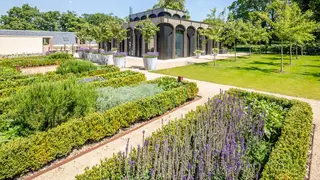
{"x":46,"y":41}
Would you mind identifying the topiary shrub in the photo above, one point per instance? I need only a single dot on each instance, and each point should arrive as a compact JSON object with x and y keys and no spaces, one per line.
{"x":75,"y":66}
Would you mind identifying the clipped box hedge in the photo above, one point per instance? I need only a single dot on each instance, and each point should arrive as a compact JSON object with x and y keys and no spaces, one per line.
{"x":29,"y":154}
{"x":287,"y":160}
{"x":11,"y":83}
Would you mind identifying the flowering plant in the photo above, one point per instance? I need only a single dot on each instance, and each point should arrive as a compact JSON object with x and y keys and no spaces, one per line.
{"x":114,"y":49}
{"x":120,"y":54}
{"x":151,"y":55}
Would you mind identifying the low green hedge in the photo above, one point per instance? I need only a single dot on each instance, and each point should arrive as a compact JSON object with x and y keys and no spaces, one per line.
{"x":28,"y":61}
{"x":288,"y":158}
{"x":54,"y":77}
{"x":29,"y":154}
{"x":14,"y":86}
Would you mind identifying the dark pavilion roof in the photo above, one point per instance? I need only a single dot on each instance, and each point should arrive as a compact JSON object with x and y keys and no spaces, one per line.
{"x":59,"y":38}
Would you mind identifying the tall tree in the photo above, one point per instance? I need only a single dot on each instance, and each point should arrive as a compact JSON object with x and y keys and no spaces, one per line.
{"x":48,"y":21}
{"x":148,"y":30}
{"x":70,"y":22}
{"x":171,"y":4}
{"x":21,"y":18}
{"x":240,"y":9}
{"x":234,"y":33}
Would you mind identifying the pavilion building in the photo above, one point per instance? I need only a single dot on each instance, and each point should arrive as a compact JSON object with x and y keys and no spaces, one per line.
{"x":178,"y":37}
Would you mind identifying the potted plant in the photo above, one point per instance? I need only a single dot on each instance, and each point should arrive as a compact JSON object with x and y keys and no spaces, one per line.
{"x":215,"y":52}
{"x":119,"y":59}
{"x":114,"y":50}
{"x":198,"y":53}
{"x":107,"y":58}
{"x":148,"y":30}
{"x":150,"y":60}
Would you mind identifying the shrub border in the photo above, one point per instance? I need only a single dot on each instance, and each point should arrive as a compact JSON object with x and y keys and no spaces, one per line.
{"x":289,"y":156}
{"x":18,"y":157}
{"x":113,"y":138}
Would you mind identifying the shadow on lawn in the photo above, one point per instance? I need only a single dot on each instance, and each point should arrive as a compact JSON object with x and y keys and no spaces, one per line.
{"x":316,"y":66}
{"x":316,"y":75}
{"x":268,"y":63}
{"x":252,"y":68}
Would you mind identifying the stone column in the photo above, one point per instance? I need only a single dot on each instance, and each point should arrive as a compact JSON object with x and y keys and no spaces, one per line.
{"x":143,"y":46}
{"x":125,"y":45}
{"x":185,"y":43}
{"x":155,"y":43}
{"x":174,"y":43}
{"x":195,"y":41}
{"x":112,"y":43}
{"x":203,"y":45}
{"x":133,"y":44}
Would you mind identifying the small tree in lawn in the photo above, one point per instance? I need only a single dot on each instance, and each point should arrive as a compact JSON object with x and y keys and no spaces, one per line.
{"x":303,"y":28}
{"x":280,"y":23}
{"x":215,"y":30}
{"x":255,"y":33}
{"x":234,"y":32}
{"x":148,"y":30}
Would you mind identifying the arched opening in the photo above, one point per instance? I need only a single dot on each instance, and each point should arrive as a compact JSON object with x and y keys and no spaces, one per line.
{"x":166,"y":14}
{"x":131,"y":20}
{"x":164,"y":41}
{"x":129,"y":41}
{"x":138,"y":43}
{"x":184,"y":17}
{"x":152,"y":16}
{"x":176,"y":16}
{"x":143,"y":17}
{"x":179,"y":41}
{"x":191,"y":44}
{"x":137,"y":19}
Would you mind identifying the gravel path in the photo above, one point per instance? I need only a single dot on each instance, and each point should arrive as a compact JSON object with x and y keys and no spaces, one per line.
{"x":206,"y":90}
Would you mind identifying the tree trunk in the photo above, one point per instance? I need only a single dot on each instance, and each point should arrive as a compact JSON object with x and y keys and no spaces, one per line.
{"x":301,"y":50}
{"x":297,"y":51}
{"x":235,"y":50}
{"x":260,"y":49}
{"x":281,"y":68}
{"x":250,"y":50}
{"x":215,"y":59}
{"x":290,"y":54}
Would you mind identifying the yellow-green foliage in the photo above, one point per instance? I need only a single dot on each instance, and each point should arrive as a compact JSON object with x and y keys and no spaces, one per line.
{"x":75,"y":66}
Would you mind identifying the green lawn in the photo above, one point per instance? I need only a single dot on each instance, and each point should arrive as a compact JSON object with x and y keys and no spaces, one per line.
{"x":301,"y":79}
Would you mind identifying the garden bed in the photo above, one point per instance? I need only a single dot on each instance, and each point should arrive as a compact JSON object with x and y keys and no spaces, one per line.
{"x":93,"y":146}
{"x":31,"y":153}
{"x":235,"y":135}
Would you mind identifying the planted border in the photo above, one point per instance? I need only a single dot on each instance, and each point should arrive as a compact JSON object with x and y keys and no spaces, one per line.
{"x":287,"y":160}
{"x":29,"y":154}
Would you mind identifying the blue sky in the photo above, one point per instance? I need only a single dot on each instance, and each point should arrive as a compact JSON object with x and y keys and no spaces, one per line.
{"x":198,"y":8}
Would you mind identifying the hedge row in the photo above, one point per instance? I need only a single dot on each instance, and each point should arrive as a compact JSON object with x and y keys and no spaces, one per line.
{"x":110,"y":73}
{"x":28,"y":61}
{"x":53,"y":77}
{"x":29,"y":154}
{"x":288,"y":158}
{"x":308,"y":49}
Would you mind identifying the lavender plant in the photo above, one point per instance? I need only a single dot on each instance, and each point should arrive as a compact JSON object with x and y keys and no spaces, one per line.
{"x":216,"y":142}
